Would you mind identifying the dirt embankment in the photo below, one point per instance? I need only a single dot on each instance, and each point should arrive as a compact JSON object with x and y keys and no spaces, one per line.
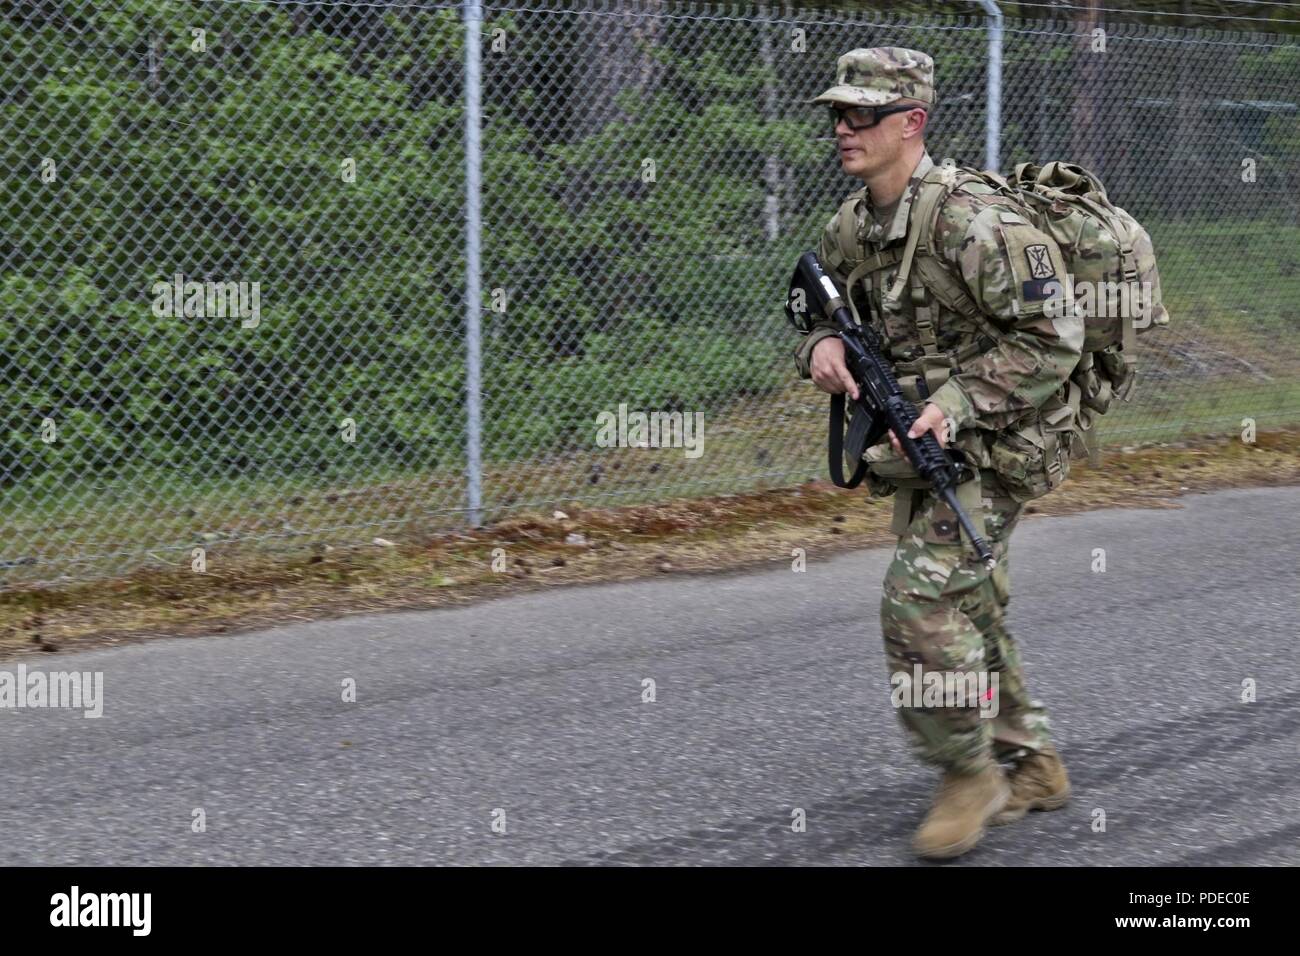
{"x":575,"y":545}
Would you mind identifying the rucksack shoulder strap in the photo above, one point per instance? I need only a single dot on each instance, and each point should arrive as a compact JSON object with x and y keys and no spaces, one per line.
{"x":847,"y":249}
{"x":928,"y":269}
{"x":935,"y":187}
{"x":873,"y":263}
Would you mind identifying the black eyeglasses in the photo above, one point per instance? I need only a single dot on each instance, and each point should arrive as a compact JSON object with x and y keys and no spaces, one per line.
{"x":864,"y":117}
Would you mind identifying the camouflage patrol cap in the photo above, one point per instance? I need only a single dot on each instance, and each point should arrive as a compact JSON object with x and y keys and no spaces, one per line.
{"x":880,"y":76}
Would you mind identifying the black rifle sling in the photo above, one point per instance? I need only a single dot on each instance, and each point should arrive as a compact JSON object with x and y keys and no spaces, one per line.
{"x":835,"y":447}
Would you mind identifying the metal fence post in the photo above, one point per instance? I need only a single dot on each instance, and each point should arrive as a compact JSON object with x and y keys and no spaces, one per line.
{"x":993,"y":126}
{"x":473,"y":12}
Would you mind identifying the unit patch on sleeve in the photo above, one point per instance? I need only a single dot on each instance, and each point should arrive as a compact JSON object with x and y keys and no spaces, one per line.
{"x":1040,"y":263}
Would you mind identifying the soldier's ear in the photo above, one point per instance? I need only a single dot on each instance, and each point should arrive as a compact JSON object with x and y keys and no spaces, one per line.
{"x":916,"y":122}
{"x":914,"y":119}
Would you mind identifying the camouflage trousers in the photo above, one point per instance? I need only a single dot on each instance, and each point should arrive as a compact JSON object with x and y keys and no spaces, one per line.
{"x":943,"y":614}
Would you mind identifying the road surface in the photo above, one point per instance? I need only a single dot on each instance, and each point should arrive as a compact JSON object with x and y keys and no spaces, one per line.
{"x":770,"y":695}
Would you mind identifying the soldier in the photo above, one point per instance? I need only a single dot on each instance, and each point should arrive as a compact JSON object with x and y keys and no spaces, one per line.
{"x":956,"y":281}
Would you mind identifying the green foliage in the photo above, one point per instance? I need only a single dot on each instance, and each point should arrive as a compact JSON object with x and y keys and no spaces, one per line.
{"x":661,"y":291}
{"x":226,"y":165}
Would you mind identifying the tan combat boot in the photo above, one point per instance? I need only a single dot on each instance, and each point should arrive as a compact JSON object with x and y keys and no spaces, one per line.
{"x":964,"y":803}
{"x":1038,"y":782}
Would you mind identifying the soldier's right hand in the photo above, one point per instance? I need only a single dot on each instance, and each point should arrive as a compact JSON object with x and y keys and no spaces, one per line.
{"x":828,"y":370}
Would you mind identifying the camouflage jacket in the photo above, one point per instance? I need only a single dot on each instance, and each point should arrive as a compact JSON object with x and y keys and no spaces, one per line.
{"x":1012,"y":359}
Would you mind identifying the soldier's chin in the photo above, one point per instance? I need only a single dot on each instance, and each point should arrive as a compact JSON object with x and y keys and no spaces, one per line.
{"x":853,"y":162}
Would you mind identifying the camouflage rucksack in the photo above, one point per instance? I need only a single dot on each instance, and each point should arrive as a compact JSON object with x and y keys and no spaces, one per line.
{"x":1108,"y":256}
{"x":1112,"y":267}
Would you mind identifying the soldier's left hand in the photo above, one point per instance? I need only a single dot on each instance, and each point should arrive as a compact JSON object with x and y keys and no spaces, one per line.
{"x":930,"y":420}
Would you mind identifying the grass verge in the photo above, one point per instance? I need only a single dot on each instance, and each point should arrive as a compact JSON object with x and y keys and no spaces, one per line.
{"x":575,"y":545}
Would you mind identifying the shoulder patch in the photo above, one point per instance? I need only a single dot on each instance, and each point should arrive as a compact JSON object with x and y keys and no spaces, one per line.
{"x":1040,"y":262}
{"x":1036,"y":266}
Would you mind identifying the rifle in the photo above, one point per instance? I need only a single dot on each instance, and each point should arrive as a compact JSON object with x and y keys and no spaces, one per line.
{"x":880,"y":406}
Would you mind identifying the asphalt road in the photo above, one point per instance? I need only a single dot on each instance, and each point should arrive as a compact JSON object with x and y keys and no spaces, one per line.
{"x":771,"y":695}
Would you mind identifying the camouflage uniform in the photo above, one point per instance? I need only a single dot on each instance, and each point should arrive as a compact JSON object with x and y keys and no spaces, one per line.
{"x":941,"y":608}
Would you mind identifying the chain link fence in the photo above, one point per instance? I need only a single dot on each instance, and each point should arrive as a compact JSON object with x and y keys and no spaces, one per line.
{"x":234,"y":241}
